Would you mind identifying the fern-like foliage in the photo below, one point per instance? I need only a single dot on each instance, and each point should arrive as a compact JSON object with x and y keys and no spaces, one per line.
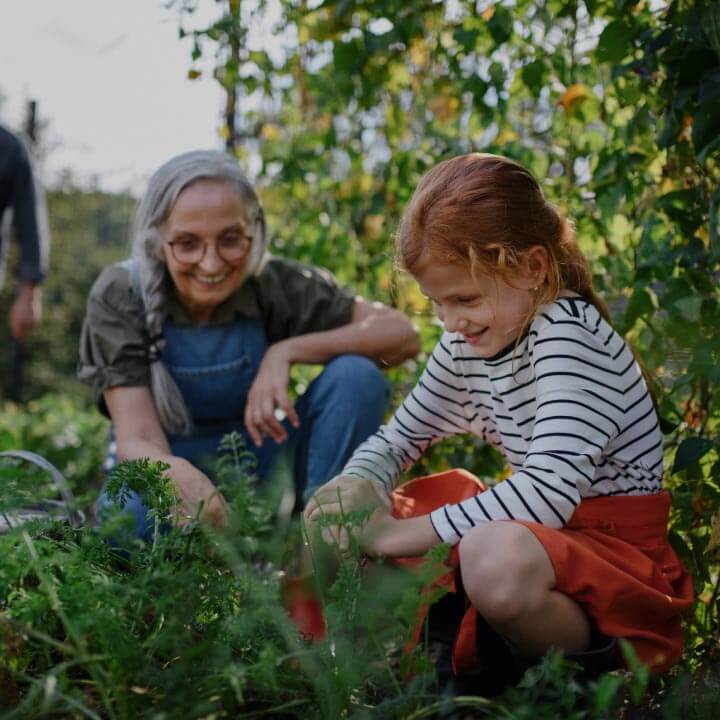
{"x":149,"y":479}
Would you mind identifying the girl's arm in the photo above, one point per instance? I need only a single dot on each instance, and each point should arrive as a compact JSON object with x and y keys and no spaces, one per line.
{"x":139,"y":434}
{"x":437,"y":407}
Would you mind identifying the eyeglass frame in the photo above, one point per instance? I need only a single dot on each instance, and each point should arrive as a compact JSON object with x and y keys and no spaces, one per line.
{"x":248,"y":240}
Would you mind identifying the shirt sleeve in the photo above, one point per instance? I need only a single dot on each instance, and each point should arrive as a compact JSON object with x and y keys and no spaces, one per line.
{"x":297,"y":299}
{"x":437,"y":407}
{"x":29,"y":220}
{"x":112,"y":348}
{"x":579,"y":390}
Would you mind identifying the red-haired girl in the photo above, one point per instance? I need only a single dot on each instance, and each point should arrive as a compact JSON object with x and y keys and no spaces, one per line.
{"x":570,"y":551}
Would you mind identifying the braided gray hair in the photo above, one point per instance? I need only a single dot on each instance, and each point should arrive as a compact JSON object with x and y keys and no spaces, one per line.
{"x":153,"y":209}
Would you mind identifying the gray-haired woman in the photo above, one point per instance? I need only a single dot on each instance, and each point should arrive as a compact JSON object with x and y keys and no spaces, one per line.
{"x":194,"y":337}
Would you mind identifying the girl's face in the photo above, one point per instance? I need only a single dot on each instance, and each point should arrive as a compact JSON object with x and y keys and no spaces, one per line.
{"x":211,"y":214}
{"x":487,"y":311}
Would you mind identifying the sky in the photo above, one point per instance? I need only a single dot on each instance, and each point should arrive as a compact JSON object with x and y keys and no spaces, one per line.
{"x":110,"y":79}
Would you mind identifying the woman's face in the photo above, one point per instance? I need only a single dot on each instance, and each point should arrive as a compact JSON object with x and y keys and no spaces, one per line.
{"x":208,"y":214}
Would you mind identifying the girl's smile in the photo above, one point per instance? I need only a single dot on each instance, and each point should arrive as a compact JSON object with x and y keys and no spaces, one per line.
{"x":485,"y":310}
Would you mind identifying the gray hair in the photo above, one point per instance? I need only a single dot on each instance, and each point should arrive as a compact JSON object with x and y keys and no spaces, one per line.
{"x":153,"y":209}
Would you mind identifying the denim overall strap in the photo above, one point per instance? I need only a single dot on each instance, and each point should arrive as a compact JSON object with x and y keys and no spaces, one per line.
{"x":213,"y":367}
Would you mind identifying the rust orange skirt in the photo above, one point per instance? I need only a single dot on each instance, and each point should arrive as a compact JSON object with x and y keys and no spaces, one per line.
{"x":613,"y":558}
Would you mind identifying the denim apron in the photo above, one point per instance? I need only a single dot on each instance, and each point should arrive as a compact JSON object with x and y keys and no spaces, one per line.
{"x":214,"y":367}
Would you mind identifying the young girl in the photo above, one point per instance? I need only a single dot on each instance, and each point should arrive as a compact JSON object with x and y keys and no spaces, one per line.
{"x":571,"y":550}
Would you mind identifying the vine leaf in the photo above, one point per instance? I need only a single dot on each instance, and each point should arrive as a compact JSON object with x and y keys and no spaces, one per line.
{"x":691,"y":450}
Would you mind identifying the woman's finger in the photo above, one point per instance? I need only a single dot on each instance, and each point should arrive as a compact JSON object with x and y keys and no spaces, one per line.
{"x":251,"y":423}
{"x":283,"y":401}
{"x":270,"y":424}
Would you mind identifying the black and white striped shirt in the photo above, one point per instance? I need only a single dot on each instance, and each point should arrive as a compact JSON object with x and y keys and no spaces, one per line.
{"x":568,"y":408}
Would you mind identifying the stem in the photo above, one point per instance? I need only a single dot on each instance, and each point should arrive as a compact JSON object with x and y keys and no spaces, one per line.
{"x":275,"y":710}
{"x":478,"y":703}
{"x":393,"y":679}
{"x":7,"y":520}
{"x":38,"y":635}
{"x":713,"y":601}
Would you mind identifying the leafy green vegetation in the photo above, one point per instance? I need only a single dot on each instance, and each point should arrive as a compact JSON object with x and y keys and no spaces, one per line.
{"x":615,"y":106}
{"x":194,"y":625}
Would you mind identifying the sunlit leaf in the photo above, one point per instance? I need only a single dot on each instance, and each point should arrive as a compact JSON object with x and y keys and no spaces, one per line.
{"x":615,"y":41}
{"x":640,"y":304}
{"x":500,"y":24}
{"x":714,"y":541}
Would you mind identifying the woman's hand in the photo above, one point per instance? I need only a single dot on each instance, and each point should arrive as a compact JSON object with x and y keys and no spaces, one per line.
{"x":268,"y":393}
{"x":194,"y":488}
{"x":139,"y":434}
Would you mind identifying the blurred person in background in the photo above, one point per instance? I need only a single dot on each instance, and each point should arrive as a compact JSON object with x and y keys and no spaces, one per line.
{"x":23,"y":198}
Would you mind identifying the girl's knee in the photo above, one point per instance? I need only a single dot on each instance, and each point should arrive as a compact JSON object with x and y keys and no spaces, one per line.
{"x":501,"y":572}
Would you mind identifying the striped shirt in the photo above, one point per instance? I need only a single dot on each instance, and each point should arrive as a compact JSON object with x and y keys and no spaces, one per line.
{"x":568,"y":408}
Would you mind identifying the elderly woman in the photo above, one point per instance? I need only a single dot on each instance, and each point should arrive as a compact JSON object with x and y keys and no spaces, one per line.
{"x":195,"y":335}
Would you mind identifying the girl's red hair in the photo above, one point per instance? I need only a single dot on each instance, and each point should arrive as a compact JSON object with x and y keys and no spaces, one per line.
{"x":488,"y":212}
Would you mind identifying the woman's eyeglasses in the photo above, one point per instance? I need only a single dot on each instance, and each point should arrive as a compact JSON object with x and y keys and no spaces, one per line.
{"x":190,"y":250}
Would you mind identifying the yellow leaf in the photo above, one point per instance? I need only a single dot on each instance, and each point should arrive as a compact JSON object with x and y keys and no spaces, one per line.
{"x":444,"y":106}
{"x":488,"y":13}
{"x":373,"y":226}
{"x":399,"y":76}
{"x":506,"y":135}
{"x":194,"y":74}
{"x":573,"y":96}
{"x":410,"y":299}
{"x":714,"y":541}
{"x":272,"y":198}
{"x":365,"y":183}
{"x":323,"y":122}
{"x":345,"y":190}
{"x":270,"y":131}
{"x":419,"y":53}
{"x":686,"y":132}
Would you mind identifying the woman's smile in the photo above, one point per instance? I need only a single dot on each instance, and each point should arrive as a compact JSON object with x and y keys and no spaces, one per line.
{"x":208,"y":211}
{"x":210,"y":279}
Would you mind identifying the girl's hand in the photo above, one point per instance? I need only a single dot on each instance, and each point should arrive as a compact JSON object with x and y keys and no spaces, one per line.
{"x":372,"y":538}
{"x":268,"y":393}
{"x":343,"y":494}
{"x":384,"y":536}
{"x":194,"y":487}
